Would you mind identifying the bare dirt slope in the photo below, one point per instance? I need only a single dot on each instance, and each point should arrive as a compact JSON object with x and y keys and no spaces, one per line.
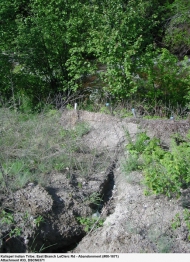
{"x":106,"y":131}
{"x":133,"y":222}
{"x":139,"y":223}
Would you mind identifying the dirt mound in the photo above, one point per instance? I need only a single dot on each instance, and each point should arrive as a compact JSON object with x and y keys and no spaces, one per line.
{"x":106,"y":131}
{"x":165,"y":129}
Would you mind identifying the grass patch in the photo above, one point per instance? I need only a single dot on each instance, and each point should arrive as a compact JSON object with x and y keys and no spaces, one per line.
{"x":32,"y":145}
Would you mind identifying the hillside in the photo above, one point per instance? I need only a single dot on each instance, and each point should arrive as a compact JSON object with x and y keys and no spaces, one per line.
{"x":66,"y":188}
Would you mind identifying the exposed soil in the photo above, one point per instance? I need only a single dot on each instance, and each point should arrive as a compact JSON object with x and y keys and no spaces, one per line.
{"x":139,"y":223}
{"x":133,"y":222}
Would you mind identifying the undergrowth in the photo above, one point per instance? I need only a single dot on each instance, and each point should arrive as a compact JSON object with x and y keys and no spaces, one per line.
{"x":34,"y":145}
{"x":181,"y":222}
{"x":165,"y":171}
{"x":90,"y":223}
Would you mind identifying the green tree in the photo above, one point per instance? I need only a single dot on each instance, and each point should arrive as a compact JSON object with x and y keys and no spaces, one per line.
{"x":128,"y":34}
{"x":51,"y":46}
{"x":53,"y":40}
{"x":177,"y":36}
{"x":51,"y":43}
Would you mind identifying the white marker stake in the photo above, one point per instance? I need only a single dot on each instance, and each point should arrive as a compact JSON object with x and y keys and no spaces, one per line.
{"x":75,"y":106}
{"x":133,"y":111}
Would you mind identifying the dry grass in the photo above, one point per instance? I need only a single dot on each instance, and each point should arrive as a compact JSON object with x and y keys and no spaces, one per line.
{"x":34,"y":145}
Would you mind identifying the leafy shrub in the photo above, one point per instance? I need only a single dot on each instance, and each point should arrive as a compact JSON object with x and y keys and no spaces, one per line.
{"x":163,"y":78}
{"x":165,"y":172}
{"x":135,"y":149}
{"x":137,"y":146}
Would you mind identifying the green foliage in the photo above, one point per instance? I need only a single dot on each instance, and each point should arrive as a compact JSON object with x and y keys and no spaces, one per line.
{"x":165,"y":172}
{"x":7,"y":218}
{"x":131,"y":164}
{"x":186,"y":215}
{"x":94,"y":199}
{"x":135,"y":148}
{"x":104,"y":110}
{"x":45,"y":47}
{"x":177,"y":221}
{"x":90,"y":223}
{"x":139,"y":144}
{"x":51,"y":47}
{"x":127,"y":31}
{"x":16,"y":228}
{"x":38,"y":220}
{"x":168,"y":172}
{"x":15,"y":232}
{"x":177,"y":34}
{"x":162,"y":79}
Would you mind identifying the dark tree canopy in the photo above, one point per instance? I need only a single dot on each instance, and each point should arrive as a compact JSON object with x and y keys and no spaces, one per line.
{"x":49,"y":46}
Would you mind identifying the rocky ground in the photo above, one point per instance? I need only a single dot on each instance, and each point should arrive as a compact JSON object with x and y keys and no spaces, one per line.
{"x":133,"y":222}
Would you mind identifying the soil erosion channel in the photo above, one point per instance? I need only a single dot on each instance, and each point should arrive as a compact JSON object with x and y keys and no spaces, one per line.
{"x":130,"y":221}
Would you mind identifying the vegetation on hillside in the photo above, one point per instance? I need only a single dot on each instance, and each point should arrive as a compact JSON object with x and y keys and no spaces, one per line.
{"x":165,"y":171}
{"x":48,"y":52}
{"x":50,"y":47}
{"x":32,"y":146}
